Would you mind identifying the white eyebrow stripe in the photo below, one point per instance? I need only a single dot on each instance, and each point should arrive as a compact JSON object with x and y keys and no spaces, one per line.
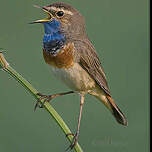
{"x":61,"y":9}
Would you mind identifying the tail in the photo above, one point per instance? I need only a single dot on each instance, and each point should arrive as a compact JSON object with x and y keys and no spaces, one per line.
{"x":119,"y":116}
{"x":110,"y":104}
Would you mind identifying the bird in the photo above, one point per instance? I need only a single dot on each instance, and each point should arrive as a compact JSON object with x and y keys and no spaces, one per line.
{"x":73,"y":59}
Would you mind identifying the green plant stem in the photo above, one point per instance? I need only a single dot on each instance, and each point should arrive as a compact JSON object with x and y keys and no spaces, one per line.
{"x":6,"y":67}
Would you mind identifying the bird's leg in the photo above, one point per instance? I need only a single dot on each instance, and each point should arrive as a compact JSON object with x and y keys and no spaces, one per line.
{"x":47,"y":98}
{"x":75,"y":136}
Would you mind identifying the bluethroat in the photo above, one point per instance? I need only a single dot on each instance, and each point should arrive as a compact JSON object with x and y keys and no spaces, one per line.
{"x":73,"y":58}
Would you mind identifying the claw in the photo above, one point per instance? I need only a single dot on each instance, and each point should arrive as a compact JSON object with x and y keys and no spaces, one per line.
{"x":69,"y":134}
{"x":39,"y":104}
{"x":74,"y":141}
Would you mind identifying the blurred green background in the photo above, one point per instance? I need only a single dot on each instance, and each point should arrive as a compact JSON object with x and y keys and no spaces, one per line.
{"x":120,"y":32}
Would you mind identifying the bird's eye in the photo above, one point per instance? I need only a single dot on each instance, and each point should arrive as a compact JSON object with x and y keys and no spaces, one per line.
{"x":60,"y":13}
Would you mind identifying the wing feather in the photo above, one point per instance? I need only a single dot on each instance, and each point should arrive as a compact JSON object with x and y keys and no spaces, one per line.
{"x":88,"y":59}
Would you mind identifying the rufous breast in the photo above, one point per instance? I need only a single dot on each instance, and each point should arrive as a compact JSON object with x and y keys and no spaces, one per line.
{"x":63,"y":59}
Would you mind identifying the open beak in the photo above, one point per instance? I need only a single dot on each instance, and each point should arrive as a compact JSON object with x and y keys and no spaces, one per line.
{"x":45,"y":9}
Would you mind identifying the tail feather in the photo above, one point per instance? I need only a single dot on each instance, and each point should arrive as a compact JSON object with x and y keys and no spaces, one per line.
{"x":119,"y":116}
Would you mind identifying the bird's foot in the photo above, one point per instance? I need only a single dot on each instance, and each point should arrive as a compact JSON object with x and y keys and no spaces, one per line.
{"x":74,"y":140}
{"x":46,"y":98}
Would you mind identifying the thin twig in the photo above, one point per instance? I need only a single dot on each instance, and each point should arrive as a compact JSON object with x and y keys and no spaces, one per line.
{"x":6,"y":67}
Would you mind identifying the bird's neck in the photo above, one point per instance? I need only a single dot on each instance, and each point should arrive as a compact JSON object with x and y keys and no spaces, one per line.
{"x":53,"y":39}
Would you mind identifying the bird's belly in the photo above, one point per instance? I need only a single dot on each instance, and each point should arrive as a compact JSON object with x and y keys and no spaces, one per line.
{"x":75,"y":77}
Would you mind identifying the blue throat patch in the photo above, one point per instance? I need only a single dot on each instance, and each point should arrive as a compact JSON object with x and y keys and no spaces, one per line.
{"x":53,"y":39}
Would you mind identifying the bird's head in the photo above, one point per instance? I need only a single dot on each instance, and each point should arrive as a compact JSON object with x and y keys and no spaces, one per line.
{"x":63,"y":17}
